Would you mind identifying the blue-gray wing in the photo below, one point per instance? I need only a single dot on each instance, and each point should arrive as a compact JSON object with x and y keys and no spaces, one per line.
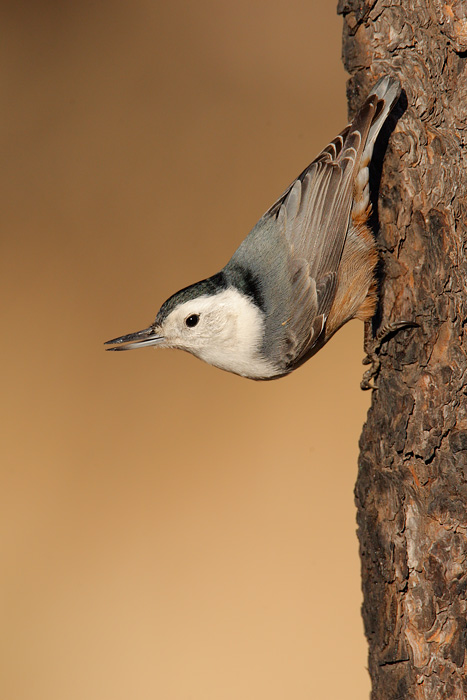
{"x":313,"y":217}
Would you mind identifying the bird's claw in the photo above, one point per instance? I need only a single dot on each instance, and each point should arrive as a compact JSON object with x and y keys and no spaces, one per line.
{"x":372,"y":356}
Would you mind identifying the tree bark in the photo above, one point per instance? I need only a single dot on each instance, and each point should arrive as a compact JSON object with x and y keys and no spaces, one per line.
{"x":411,"y":491}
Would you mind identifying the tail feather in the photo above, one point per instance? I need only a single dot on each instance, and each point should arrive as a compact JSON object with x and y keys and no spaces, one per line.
{"x":386,"y":91}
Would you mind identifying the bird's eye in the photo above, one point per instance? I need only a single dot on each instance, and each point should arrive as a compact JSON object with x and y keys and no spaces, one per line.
{"x":192,"y":320}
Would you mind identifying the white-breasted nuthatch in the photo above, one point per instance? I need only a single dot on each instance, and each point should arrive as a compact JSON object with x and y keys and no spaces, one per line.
{"x":304,"y":270}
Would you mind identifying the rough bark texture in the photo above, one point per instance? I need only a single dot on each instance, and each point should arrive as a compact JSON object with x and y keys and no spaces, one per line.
{"x":411,"y":491}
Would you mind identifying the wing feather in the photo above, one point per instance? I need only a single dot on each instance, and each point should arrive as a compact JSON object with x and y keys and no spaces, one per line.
{"x":314,"y":215}
{"x":308,"y":224}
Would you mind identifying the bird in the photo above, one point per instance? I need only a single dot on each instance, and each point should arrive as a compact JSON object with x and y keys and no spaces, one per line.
{"x":305,"y":269}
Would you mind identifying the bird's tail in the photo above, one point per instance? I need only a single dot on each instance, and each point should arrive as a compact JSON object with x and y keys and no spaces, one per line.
{"x":386,"y":90}
{"x":380,"y":101}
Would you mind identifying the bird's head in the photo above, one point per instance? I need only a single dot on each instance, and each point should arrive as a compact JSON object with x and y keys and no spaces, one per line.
{"x":217,"y":323}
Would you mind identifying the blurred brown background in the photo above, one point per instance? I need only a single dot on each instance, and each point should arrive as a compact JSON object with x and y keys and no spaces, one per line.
{"x":167,"y":530}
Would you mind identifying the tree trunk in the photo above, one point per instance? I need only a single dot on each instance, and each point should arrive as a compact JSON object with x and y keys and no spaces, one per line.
{"x":411,"y":491}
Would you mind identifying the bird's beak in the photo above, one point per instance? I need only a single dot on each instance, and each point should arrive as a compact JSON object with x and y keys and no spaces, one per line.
{"x":140,"y":339}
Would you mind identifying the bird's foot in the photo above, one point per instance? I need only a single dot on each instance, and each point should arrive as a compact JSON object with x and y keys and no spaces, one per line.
{"x":372,"y":357}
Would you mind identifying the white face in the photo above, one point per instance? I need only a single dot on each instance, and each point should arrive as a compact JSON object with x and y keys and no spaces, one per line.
{"x":225,"y":330}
